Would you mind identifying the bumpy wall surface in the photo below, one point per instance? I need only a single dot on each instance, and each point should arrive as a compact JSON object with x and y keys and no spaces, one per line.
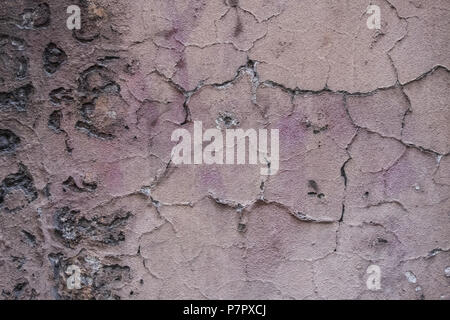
{"x":91,"y":205}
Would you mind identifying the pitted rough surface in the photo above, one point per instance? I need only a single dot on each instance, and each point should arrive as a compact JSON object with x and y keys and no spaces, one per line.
{"x":89,"y":191}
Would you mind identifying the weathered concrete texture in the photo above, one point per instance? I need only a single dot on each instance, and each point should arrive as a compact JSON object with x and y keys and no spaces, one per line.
{"x":426,"y":40}
{"x":87,"y":179}
{"x":314,"y":45}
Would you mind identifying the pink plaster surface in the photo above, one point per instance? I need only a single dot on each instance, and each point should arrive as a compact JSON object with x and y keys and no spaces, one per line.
{"x":86,"y":176}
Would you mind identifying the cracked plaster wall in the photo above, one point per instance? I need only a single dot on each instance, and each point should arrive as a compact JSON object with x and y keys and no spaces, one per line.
{"x":86,"y":178}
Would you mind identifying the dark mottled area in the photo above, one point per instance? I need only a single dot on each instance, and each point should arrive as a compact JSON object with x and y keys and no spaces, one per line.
{"x":53,"y":58}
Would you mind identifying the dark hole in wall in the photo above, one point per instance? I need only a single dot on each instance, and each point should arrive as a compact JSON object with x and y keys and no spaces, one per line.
{"x":53,"y":58}
{"x":17,"y":98}
{"x":8,"y":141}
{"x":54,"y":121}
